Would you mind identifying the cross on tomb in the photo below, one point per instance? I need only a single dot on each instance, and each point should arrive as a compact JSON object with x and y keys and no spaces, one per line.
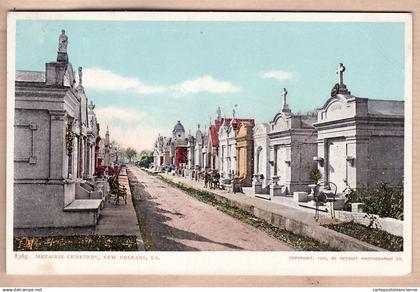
{"x":340,"y":72}
{"x":285,"y":105}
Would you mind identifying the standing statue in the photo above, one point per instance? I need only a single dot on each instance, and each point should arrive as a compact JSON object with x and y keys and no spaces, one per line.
{"x":62,"y":42}
{"x":80,"y":75}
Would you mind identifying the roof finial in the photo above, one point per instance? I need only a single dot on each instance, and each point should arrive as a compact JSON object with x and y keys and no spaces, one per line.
{"x":91,"y":105}
{"x":285,"y":105}
{"x":340,"y":72}
{"x":219,"y":113}
{"x":80,"y":75}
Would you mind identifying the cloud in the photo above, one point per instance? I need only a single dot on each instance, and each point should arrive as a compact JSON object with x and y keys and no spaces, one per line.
{"x":127,"y":127}
{"x":110,"y":113}
{"x":104,"y":80}
{"x":206,"y":84}
{"x":278,"y":75}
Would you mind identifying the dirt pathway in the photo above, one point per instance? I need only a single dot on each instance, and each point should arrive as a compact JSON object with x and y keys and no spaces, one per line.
{"x":176,"y":221}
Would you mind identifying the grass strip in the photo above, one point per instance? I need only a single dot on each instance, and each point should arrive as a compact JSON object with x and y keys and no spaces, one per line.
{"x":298,"y":242}
{"x":373,"y":236}
{"x":75,"y":243}
{"x":146,"y":236}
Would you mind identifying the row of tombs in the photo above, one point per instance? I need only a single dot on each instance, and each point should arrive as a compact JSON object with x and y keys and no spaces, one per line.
{"x":57,"y":149}
{"x":350,"y":142}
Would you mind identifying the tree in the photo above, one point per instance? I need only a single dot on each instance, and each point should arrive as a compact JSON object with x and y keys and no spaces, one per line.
{"x":130,"y":153}
{"x":146,"y":157}
{"x":115,"y":149}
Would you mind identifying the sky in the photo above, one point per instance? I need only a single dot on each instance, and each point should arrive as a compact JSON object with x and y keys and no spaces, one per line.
{"x":144,"y":76}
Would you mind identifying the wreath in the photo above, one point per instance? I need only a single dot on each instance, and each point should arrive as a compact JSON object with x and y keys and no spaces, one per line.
{"x":334,"y":90}
{"x":69,"y":139}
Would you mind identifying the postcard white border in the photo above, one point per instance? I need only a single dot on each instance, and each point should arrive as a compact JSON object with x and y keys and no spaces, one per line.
{"x":212,"y":263}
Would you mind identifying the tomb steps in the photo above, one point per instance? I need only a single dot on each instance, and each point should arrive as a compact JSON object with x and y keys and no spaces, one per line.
{"x":83,"y":212}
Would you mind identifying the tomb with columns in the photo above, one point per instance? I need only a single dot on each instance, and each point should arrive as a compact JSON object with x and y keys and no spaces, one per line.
{"x":199,"y":160}
{"x":54,"y":148}
{"x":292,"y":146}
{"x":190,"y":151}
{"x":245,"y":152}
{"x":213,"y":141}
{"x":360,"y":140}
{"x":261,"y":174}
{"x":228,"y":160}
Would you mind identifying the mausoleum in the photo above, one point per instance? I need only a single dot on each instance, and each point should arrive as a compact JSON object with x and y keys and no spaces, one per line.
{"x":54,"y":150}
{"x":360,"y":140}
{"x":292,"y":146}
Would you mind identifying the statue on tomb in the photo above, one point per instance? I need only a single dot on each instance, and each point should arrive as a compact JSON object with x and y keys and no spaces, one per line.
{"x":219,"y":113}
{"x":80,"y":75}
{"x":62,"y":42}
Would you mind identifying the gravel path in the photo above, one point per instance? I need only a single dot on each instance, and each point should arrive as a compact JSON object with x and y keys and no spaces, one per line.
{"x":178,"y":222}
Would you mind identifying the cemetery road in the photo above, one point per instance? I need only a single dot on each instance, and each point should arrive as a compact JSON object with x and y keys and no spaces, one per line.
{"x":176,"y":221}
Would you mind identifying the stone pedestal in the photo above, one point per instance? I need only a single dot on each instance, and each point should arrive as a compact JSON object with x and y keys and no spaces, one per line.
{"x":257,"y":187}
{"x":275,"y":190}
{"x":300,"y":197}
{"x":62,"y":57}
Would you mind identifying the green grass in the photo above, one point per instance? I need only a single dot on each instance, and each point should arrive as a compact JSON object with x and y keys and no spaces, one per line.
{"x":298,"y":242}
{"x":373,"y":236}
{"x":146,"y":236}
{"x":75,"y":243}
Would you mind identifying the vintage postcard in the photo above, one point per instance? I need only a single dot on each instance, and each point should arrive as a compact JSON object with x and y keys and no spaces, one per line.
{"x":198,"y":143}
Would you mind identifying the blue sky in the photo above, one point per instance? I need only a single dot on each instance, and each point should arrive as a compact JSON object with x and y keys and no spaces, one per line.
{"x":145,"y":75}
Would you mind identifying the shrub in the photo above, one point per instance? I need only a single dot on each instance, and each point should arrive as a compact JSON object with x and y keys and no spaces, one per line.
{"x":315,"y":174}
{"x":380,"y":200}
{"x":385,"y":202}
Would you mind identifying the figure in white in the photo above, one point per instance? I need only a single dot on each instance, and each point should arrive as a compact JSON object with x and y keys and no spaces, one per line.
{"x":62,"y":42}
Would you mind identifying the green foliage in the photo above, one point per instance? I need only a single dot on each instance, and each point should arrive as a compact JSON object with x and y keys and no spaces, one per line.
{"x":69,"y":139}
{"x":334,"y":90}
{"x":375,"y":237}
{"x":315,"y":174}
{"x":130,"y":153}
{"x":381,"y":200}
{"x":146,"y":157}
{"x":385,"y":202}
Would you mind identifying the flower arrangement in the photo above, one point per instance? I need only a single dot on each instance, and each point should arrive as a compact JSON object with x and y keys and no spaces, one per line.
{"x":69,"y":139}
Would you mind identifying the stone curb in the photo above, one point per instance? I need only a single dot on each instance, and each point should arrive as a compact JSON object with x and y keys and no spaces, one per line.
{"x":333,"y":238}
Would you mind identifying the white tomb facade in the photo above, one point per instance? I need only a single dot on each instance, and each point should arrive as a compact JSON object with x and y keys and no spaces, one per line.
{"x":360,"y":140}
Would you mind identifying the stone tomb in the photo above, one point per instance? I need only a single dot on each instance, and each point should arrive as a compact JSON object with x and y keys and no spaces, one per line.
{"x":292,"y":146}
{"x":360,"y":140}
{"x":262,"y":177}
{"x":52,"y":149}
{"x":245,"y":150}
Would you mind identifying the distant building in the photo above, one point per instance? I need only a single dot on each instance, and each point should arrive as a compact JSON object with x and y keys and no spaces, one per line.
{"x":171,"y":151}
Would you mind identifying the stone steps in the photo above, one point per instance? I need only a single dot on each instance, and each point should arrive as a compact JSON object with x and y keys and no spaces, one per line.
{"x":83,"y":212}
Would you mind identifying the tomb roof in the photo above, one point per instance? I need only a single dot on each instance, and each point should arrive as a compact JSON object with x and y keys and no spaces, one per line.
{"x":178,"y":127}
{"x":30,"y":76}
